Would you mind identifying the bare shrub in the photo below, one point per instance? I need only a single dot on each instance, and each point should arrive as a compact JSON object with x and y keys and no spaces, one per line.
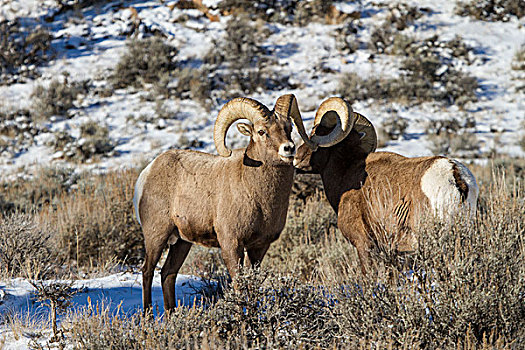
{"x":57,"y":295}
{"x":39,"y":191}
{"x":24,"y":245}
{"x":95,"y":222}
{"x":281,"y":11}
{"x":239,"y":59}
{"x":146,"y":61}
{"x":392,"y":129}
{"x":491,"y":10}
{"x":57,"y":99}
{"x":518,"y":63}
{"x":22,"y":50}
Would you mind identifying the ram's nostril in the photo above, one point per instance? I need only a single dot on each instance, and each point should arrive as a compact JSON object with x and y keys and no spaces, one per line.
{"x":289,"y":148}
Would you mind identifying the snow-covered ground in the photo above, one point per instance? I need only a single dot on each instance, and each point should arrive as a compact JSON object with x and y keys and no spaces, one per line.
{"x":120,"y":293}
{"x":89,"y":46}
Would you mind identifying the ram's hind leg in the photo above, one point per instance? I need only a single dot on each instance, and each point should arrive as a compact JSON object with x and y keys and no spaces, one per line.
{"x":156,"y":234}
{"x":151,"y":258}
{"x":176,"y":256}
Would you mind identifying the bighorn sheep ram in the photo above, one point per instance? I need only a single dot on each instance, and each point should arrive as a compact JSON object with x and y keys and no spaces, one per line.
{"x":372,"y":191}
{"x":236,"y":201}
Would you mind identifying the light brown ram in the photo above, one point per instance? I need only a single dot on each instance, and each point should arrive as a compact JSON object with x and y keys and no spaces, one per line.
{"x":236,"y":201}
{"x":379,"y":195}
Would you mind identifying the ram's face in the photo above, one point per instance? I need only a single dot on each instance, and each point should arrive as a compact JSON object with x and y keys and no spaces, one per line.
{"x":302,"y":159}
{"x":271,"y":140}
{"x":308,"y":161}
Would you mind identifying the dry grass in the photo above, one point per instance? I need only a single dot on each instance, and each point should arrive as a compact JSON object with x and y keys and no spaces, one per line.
{"x":465,"y":290}
{"x":92,"y":216}
{"x":95,"y":222}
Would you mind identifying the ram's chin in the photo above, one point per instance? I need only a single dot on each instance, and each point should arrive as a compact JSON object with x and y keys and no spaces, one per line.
{"x":287,"y":160}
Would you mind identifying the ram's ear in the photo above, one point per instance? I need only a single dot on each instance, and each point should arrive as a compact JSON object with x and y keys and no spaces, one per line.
{"x":245,"y":129}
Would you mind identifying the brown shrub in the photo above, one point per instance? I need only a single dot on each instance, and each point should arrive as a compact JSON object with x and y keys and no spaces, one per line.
{"x":491,"y":10}
{"x":56,"y":99}
{"x":25,"y":247}
{"x":22,"y":50}
{"x":95,"y":222}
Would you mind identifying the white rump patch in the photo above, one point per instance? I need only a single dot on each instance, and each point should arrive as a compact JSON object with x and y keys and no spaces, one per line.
{"x":139,"y":187}
{"x":439,"y":185}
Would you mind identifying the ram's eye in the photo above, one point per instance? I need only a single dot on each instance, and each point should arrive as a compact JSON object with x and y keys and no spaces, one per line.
{"x":262,"y":132}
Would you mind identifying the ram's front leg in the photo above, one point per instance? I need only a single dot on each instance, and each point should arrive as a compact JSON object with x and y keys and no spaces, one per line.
{"x":255,"y":255}
{"x":232,"y":254}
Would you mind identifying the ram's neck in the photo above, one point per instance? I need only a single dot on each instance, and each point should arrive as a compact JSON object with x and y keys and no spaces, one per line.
{"x":269,"y":186}
{"x":342,"y":174}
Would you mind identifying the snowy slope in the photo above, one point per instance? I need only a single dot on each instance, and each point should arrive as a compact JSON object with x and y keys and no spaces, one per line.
{"x":95,"y":42}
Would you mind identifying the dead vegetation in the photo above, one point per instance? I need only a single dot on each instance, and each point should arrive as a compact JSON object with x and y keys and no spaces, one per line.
{"x":57,"y":98}
{"x":282,"y":11}
{"x":491,"y":10}
{"x":22,"y":50}
{"x":464,"y":289}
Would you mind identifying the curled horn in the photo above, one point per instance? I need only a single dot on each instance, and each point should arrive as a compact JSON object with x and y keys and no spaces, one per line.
{"x":338,"y":112}
{"x":238,"y":108}
{"x":286,"y":105}
{"x":367,"y":132}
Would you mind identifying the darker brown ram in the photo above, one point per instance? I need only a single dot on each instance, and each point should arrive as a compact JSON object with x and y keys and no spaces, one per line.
{"x":379,"y":195}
